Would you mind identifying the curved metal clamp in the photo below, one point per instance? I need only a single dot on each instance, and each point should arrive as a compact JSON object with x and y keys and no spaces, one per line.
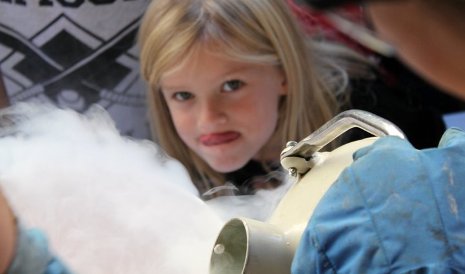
{"x":296,"y":157}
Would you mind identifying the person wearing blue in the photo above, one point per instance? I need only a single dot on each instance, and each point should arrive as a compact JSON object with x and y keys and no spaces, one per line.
{"x":397,"y":209}
{"x":25,"y":251}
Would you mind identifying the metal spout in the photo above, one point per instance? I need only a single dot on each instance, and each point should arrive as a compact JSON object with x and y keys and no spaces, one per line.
{"x":246,"y":246}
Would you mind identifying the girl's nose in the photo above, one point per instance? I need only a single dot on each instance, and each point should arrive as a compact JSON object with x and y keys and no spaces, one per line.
{"x":211,"y":115}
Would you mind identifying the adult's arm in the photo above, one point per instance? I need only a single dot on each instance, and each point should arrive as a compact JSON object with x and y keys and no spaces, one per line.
{"x":396,"y":209}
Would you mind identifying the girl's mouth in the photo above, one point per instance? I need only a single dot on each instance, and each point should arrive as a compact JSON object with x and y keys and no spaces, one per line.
{"x":214,"y":139}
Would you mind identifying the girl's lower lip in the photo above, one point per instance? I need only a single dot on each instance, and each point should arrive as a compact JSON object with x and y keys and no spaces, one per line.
{"x":219,"y":138}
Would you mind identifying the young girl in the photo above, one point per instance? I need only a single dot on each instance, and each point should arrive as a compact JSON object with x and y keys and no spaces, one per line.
{"x":230,"y":83}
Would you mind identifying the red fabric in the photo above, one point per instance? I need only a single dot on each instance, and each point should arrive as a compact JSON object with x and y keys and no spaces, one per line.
{"x":317,"y":23}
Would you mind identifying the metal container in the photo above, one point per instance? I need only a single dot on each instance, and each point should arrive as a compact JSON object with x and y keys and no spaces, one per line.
{"x":252,"y":247}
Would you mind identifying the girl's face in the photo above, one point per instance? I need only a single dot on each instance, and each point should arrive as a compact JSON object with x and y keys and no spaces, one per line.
{"x":224,"y":110}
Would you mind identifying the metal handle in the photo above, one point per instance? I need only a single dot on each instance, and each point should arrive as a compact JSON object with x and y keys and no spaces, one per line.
{"x":338,"y":125}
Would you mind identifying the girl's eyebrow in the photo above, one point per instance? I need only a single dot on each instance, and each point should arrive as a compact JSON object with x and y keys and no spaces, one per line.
{"x":172,"y":88}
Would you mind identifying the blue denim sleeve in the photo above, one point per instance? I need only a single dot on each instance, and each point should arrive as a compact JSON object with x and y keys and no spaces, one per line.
{"x":33,"y":256}
{"x":396,"y":209}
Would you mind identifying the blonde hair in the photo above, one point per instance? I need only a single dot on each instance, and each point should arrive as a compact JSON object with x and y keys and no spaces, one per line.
{"x":256,"y":31}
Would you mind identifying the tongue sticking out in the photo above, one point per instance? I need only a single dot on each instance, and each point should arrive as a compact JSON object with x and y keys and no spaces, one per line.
{"x":219,"y":138}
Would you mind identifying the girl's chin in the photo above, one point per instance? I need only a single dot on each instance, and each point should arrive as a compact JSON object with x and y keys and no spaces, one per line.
{"x":223,"y":167}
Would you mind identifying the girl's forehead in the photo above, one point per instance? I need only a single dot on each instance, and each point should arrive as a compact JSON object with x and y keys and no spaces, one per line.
{"x":227,"y":57}
{"x":229,"y":52}
{"x":192,"y":57}
{"x":208,"y":66}
{"x":199,"y":52}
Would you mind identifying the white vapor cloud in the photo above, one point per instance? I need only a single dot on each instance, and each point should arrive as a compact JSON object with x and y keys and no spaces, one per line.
{"x":109,"y":204}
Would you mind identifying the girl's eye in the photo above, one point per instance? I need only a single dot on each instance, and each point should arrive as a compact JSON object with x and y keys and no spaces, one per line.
{"x":182,"y":95}
{"x":232,"y":85}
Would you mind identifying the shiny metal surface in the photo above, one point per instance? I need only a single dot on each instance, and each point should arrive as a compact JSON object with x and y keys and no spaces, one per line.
{"x":346,"y":120}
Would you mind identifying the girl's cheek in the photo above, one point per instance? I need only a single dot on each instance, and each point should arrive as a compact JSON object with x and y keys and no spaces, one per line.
{"x":183,"y":124}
